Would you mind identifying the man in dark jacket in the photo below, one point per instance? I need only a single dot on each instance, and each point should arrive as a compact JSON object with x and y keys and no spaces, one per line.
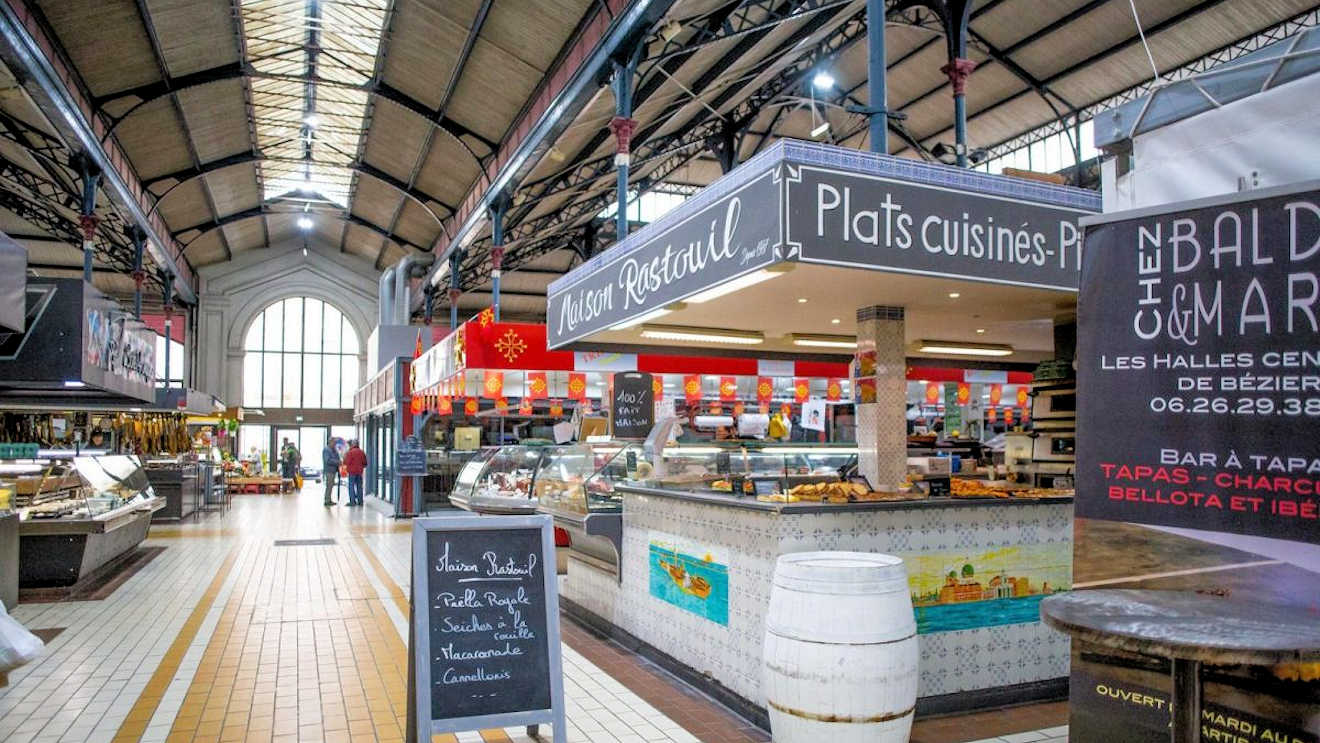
{"x":329,"y":468}
{"x":355,"y":463}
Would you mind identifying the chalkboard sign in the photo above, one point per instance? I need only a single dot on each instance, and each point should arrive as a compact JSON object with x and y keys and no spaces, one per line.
{"x":632,"y":410}
{"x":411,"y":458}
{"x":485,"y":641}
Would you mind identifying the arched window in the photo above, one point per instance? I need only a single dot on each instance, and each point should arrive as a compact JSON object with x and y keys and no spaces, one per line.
{"x":300,"y":353}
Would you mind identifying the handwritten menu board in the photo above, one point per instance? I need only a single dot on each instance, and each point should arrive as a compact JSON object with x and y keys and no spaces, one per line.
{"x":486,"y":622}
{"x":632,"y":408}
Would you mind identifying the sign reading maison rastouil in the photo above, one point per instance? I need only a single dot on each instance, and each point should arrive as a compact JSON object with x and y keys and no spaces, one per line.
{"x":818,"y":204}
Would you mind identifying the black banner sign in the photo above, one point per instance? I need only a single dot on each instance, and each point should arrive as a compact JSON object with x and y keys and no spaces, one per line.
{"x":1199,"y":367}
{"x":866,"y":221}
{"x":734,"y":235}
{"x":1107,"y":708}
{"x":485,"y":644}
{"x":632,"y":409}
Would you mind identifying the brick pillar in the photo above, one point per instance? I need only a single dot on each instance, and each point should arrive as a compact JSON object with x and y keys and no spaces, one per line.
{"x":882,"y":425}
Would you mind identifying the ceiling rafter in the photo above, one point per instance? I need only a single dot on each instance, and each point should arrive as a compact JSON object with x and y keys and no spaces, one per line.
{"x":151,"y":92}
{"x":266,"y":210}
{"x":144,"y":16}
{"x":179,"y":177}
{"x":424,"y":151}
{"x":381,"y":51}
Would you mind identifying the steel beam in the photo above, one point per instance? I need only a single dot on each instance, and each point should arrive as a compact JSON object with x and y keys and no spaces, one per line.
{"x":54,"y":87}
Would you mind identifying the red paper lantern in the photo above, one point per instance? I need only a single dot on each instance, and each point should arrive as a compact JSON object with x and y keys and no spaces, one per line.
{"x":502,"y":406}
{"x":692,"y":388}
{"x":1022,"y":396}
{"x":537,"y":387}
{"x":556,"y":408}
{"x":728,"y":389}
{"x":577,"y":386}
{"x":525,"y":406}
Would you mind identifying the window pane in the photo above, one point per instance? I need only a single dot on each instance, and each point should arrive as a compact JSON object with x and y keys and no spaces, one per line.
{"x":292,"y":397}
{"x":330,"y":385}
{"x":350,"y":339}
{"x":333,"y":320}
{"x":293,"y":324}
{"x":311,"y":381}
{"x":312,"y":310}
{"x":253,"y":340}
{"x":348,"y":382}
{"x":176,"y":361}
{"x":160,"y":360}
{"x":274,"y":326}
{"x":272,"y":377}
{"x":252,"y":380}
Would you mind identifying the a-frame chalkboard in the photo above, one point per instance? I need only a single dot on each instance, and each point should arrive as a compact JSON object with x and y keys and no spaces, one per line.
{"x":484,"y":640}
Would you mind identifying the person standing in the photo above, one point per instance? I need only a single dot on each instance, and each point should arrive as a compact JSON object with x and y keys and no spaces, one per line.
{"x":329,"y":468}
{"x":355,"y":463}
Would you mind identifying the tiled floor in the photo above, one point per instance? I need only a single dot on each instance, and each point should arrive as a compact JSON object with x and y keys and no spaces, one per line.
{"x":231,"y":637}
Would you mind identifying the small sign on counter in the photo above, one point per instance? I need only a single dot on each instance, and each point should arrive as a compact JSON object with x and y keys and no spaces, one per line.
{"x":632,"y":408}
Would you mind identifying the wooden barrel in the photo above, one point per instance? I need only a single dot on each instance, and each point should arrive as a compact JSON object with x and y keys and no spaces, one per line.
{"x":840,"y":649}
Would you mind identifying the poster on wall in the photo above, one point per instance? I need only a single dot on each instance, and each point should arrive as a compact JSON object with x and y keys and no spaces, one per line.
{"x":813,"y":415}
{"x":1199,"y":357}
{"x":1198,"y":397}
{"x":692,"y":577}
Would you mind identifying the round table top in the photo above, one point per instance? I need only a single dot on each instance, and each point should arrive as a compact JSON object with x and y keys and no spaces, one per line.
{"x":1186,"y":625}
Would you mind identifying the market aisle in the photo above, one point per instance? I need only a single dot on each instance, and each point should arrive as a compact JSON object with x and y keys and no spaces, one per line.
{"x":282,"y":620}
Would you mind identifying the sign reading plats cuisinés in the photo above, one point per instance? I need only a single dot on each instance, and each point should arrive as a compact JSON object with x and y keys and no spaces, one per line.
{"x":1199,"y":366}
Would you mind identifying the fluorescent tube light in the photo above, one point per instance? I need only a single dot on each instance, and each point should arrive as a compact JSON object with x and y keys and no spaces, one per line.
{"x":649,"y":316}
{"x":823,"y":341}
{"x":820,"y":130}
{"x":965,"y":349}
{"x":74,"y":383}
{"x":702,"y":335}
{"x":742,"y":282}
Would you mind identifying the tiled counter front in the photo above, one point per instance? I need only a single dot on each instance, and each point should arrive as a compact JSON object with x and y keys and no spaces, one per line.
{"x":749,"y":541}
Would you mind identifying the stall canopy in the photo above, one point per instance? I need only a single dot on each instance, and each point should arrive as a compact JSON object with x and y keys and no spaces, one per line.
{"x":13,"y":285}
{"x":813,"y":232}
{"x":78,"y":347}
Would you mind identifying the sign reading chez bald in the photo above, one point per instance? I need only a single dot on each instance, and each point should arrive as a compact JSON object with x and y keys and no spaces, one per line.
{"x":816,"y":204}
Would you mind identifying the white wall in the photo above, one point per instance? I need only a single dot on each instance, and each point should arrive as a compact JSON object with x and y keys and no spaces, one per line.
{"x":233,"y":293}
{"x":1267,"y":139}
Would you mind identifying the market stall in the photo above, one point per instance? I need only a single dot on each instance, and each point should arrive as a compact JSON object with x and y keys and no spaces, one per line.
{"x":890,"y":264}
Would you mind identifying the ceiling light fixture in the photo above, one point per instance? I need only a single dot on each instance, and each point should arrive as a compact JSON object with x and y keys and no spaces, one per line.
{"x":649,"y":316}
{"x":834,"y":321}
{"x":304,"y":251}
{"x":954,"y":295}
{"x":304,"y":223}
{"x":312,"y":120}
{"x":802,"y":300}
{"x":742,"y":282}
{"x":980,"y":331}
{"x":73,"y":383}
{"x":702,"y":335}
{"x":815,"y":340}
{"x":955,"y":348}
{"x":823,"y":80}
{"x":821,"y":130}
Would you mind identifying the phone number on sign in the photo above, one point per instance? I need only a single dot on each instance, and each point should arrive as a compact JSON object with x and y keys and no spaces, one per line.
{"x":1238,"y":406}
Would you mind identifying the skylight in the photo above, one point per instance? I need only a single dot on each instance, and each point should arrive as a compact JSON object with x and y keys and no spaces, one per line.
{"x":312,"y":62}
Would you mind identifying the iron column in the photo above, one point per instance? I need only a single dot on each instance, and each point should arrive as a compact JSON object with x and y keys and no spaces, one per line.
{"x":497,"y":209}
{"x":623,"y":125}
{"x":455,"y":265}
{"x":87,"y":219}
{"x":875,"y":74}
{"x":139,"y":239}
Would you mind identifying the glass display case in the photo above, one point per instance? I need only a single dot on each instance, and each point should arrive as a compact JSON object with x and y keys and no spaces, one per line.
{"x":575,"y":485}
{"x":715,"y":466}
{"x":76,"y":514}
{"x":498,"y":480}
